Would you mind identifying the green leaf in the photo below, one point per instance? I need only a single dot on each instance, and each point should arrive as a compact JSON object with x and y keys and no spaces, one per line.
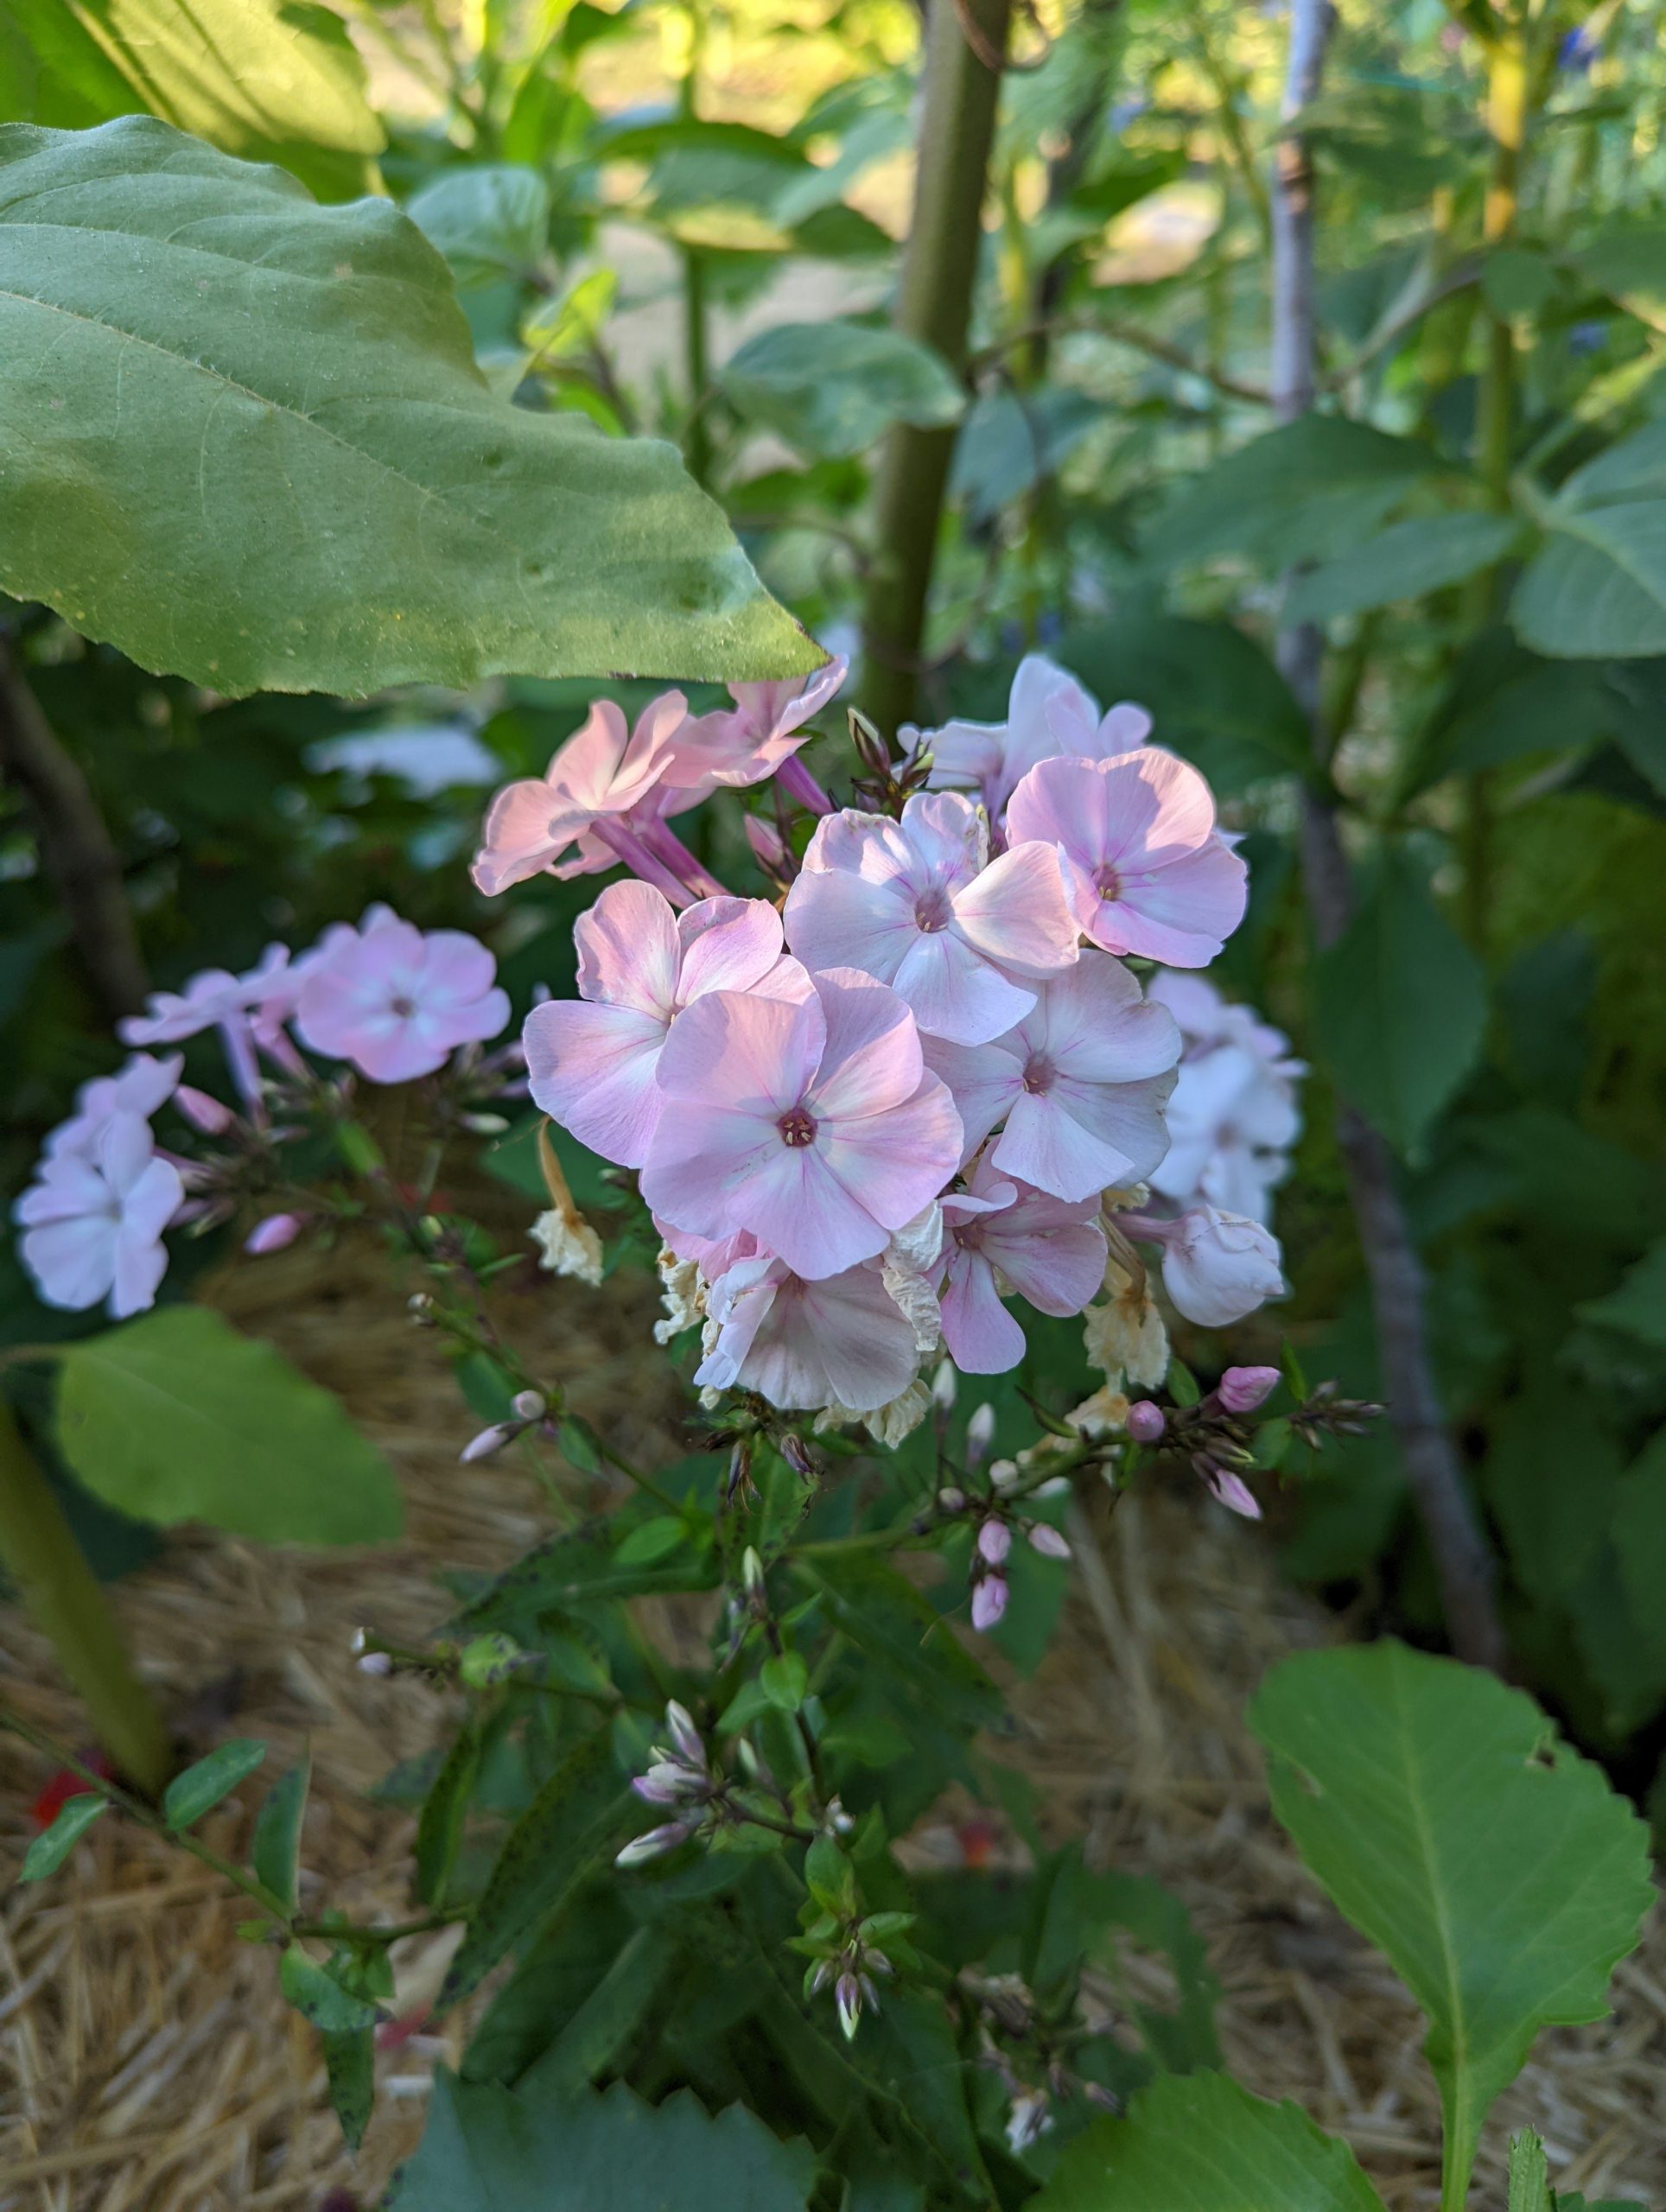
{"x":200,"y":1787}
{"x":1302,"y":492}
{"x":48,"y":1850}
{"x":177,"y":1417}
{"x":269,"y":79}
{"x":350,"y":2068}
{"x":1499,"y":1872}
{"x":609,"y":2015}
{"x":489,"y":2149}
{"x":889,"y":1622}
{"x":490,"y":221}
{"x":1636,"y":1306}
{"x":1214,"y":693}
{"x":1199,"y":2143}
{"x":578,"y":1568}
{"x":309,"y":365}
{"x":1403,"y":562}
{"x":319,"y":1997}
{"x":652,"y":1540}
{"x":548,"y":1851}
{"x":445,"y":1808}
{"x":275,"y":1852}
{"x":835,"y":387}
{"x":785,"y":1679}
{"x":1529,"y":2177}
{"x":1078,"y":1910}
{"x":1400,"y":1005}
{"x":1598,"y":588}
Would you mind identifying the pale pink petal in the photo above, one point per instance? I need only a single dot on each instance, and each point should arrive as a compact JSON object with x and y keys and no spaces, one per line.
{"x":1044,"y":1143}
{"x":1093,"y":1021}
{"x":944,"y":837}
{"x":592,"y":1068}
{"x":124,"y":1151}
{"x":517,"y":841}
{"x":701,"y":1161}
{"x":954,"y":991}
{"x":838,"y":1341}
{"x":871,"y":1061}
{"x":982,"y":1337}
{"x":1016,"y":913}
{"x":1048,"y":1252}
{"x":749,"y":1055}
{"x":729,"y":944}
{"x":1181,"y":911}
{"x":70,"y":1185}
{"x":456,"y":970}
{"x":1126,"y":1119}
{"x":797,"y":1204}
{"x":72,"y":1260}
{"x":983,"y":1079}
{"x":140,"y":1264}
{"x":893,"y":1164}
{"x":836,"y":918}
{"x":152,"y":1201}
{"x":629,"y":951}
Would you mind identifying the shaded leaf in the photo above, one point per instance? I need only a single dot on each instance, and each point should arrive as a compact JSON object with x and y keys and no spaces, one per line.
{"x":185,"y":319}
{"x":489,"y":220}
{"x":319,"y":1997}
{"x":1499,"y":1872}
{"x":350,"y":2069}
{"x":177,"y":1417}
{"x":47,"y":1851}
{"x":834,"y":388}
{"x":445,"y":1809}
{"x":1636,"y":1306}
{"x":275,"y":1852}
{"x":200,"y":1787}
{"x":578,"y":1567}
{"x":889,"y":1621}
{"x":1403,"y":562}
{"x":609,"y":2015}
{"x":1214,"y":693}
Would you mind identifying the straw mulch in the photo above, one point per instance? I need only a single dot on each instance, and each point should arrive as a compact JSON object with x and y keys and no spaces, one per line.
{"x":148,"y":2065}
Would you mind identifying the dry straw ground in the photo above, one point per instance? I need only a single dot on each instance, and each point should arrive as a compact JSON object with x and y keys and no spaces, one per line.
{"x":146,"y":2062}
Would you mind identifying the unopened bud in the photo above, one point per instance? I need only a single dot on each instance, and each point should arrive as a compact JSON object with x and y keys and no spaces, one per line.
{"x":484,"y":1125}
{"x":1145,"y":1421}
{"x":488,"y":1441}
{"x":796,"y":1453}
{"x":273,"y":1234}
{"x":994,"y":1540}
{"x":980,"y":1435}
{"x":489,"y":1660}
{"x":375,"y":1662}
{"x":752,"y":1569}
{"x":848,"y":1996}
{"x":767,"y":844}
{"x":529,"y":1405}
{"x":1241,"y":1389}
{"x":687,"y":1737}
{"x":945,"y":1386}
{"x":988,"y":1602}
{"x":655,"y":1844}
{"x":1047,"y":1541}
{"x":951,"y":1500}
{"x":202,"y":1111}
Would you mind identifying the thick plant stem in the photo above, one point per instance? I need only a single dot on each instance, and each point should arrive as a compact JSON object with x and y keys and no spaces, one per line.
{"x":934,"y":305}
{"x":697,"y":355}
{"x":1464,"y":1564}
{"x":62,"y":1593}
{"x":75,"y":845}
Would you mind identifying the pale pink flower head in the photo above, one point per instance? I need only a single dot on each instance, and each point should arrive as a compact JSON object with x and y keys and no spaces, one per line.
{"x":1218,"y":1267}
{"x":1048,"y":713}
{"x":751,"y":740}
{"x":604,"y":770}
{"x":802,"y":1345}
{"x":213,"y":999}
{"x":816,"y":1125}
{"x":142,"y":1087}
{"x":912,"y":903}
{"x":1003,"y":1235}
{"x":93,"y":1225}
{"x":594,"y":1061}
{"x":1207,"y":1019}
{"x":396,"y":1000}
{"x":1231,"y":1121}
{"x":1149,"y":872}
{"x":1079,"y":1084}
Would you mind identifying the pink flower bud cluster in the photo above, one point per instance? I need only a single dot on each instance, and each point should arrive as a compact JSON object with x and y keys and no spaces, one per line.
{"x":390,"y":1000}
{"x":865,"y":1118}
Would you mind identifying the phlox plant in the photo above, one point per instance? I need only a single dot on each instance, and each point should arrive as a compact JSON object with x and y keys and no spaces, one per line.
{"x":930,"y":1097}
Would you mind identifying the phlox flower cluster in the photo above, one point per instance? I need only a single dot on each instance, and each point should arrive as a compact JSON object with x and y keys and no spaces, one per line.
{"x":386,"y":1000}
{"x":925,"y":1082}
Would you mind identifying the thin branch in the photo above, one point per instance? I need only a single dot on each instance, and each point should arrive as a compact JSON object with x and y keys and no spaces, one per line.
{"x":75,"y":844}
{"x":1389,"y":332}
{"x":1463,"y":1565}
{"x":1126,"y":333}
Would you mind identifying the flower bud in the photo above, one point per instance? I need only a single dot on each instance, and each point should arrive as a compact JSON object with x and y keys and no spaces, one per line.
{"x":689,"y":1744}
{"x":1241,"y":1389}
{"x":202,"y":1111}
{"x":375,"y":1662}
{"x":1218,"y":1267}
{"x":752,"y":1569}
{"x":273,"y":1234}
{"x":848,"y":1996}
{"x":980,"y":1435}
{"x":945,"y":1386}
{"x":1232,"y":1490}
{"x":951,"y":1500}
{"x":654,"y":1843}
{"x":1144,"y":1422}
{"x":529,"y":1405}
{"x":488,"y":1441}
{"x":489,"y":1660}
{"x":767,"y":844}
{"x":994,"y":1540}
{"x":988,"y":1602}
{"x":484,"y":1125}
{"x":1047,"y":1541}
{"x":796,"y":1453}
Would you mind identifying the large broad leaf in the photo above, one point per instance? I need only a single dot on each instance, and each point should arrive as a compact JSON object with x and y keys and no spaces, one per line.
{"x":1199,"y":2143}
{"x":1299,"y":493}
{"x":489,"y":2149}
{"x":834,"y":388}
{"x":1403,"y":562}
{"x":176,"y":1417}
{"x":269,"y":79}
{"x":244,"y":439}
{"x":1598,"y":588}
{"x":1401,"y":1005}
{"x":1499,"y":1872}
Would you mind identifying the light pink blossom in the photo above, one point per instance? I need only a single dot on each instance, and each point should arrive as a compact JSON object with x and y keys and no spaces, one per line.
{"x":839,"y":1340}
{"x":92,"y":1224}
{"x":1234,"y":1115}
{"x":1148,"y":870}
{"x":1241,"y":1389}
{"x":988,"y":1602}
{"x":1048,"y":713}
{"x":1216,"y":1267}
{"x":816,"y":1125}
{"x":593,"y":1061}
{"x":273,"y":1234}
{"x":395,"y":1001}
{"x":756,"y":738}
{"x":1080,"y":1084}
{"x":142,"y":1087}
{"x":210,"y":1000}
{"x":912,"y":903}
{"x":1003,"y":1236}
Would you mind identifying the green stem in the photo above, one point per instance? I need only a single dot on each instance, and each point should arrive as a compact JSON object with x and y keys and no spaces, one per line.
{"x":62,"y":1596}
{"x":697,"y":355}
{"x":934,"y":305}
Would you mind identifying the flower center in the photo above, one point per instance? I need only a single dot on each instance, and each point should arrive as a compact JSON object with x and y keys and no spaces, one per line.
{"x":969,"y":1235}
{"x":1039,"y":1074}
{"x":932,"y":910}
{"x":797,"y":1128}
{"x":1109,"y":882}
{"x":405,"y":1008}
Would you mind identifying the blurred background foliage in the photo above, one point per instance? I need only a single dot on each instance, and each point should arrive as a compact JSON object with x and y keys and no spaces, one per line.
{"x":684,"y":221}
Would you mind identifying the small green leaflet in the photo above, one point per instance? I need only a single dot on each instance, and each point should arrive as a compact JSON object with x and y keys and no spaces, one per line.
{"x":200,"y":1787}
{"x":49,"y":1851}
{"x":835,"y":387}
{"x":276,"y":1845}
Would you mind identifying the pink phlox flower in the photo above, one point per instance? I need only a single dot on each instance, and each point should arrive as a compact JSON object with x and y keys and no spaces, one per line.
{"x":1218,"y":1267}
{"x":913,"y":904}
{"x":593,"y":1061}
{"x":745,"y":743}
{"x":396,"y":1000}
{"x":1077,"y":1088}
{"x":714,"y":1256}
{"x":1001,"y":1236}
{"x":604,"y":770}
{"x":1048,"y":713}
{"x":1207,"y":1019}
{"x":816,"y":1125}
{"x":836,"y":1340}
{"x":146,"y":1084}
{"x":1231,"y":1121}
{"x":93,"y":1223}
{"x":1148,"y":870}
{"x":211,"y":998}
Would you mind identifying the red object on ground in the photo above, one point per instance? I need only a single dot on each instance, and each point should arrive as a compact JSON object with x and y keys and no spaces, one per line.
{"x":64,"y":1784}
